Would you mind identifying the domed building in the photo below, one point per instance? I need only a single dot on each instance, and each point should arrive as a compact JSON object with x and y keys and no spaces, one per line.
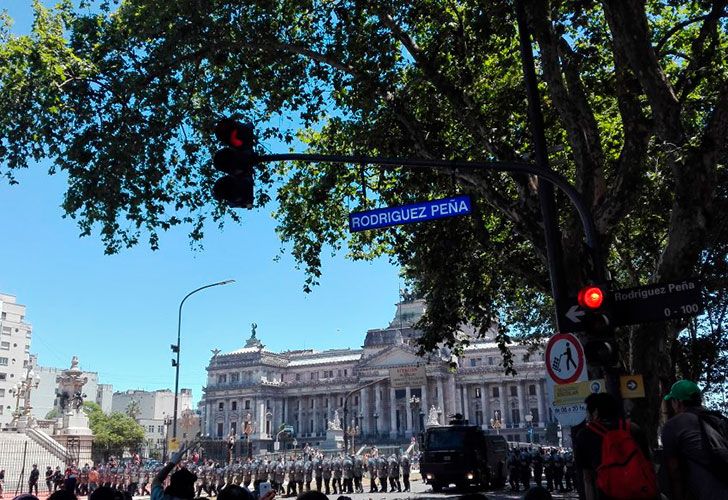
{"x":392,"y":391}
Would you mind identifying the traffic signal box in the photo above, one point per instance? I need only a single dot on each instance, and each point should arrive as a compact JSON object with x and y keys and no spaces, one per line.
{"x":600,"y":348}
{"x":237,"y":162}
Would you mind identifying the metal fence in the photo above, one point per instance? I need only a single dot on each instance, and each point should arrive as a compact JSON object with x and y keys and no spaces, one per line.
{"x":17,"y":458}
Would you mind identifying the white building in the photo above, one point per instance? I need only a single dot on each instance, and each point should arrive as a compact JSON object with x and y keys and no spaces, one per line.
{"x":44,"y":399}
{"x":15,"y":336}
{"x":153,"y":410}
{"x":258,"y":390}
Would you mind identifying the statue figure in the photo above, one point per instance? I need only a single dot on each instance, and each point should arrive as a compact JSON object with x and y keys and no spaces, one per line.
{"x":253,"y":327}
{"x":335,"y":423}
{"x":432,"y":417}
{"x":70,"y":387}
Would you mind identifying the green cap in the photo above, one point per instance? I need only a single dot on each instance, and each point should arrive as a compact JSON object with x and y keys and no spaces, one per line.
{"x":682,"y":390}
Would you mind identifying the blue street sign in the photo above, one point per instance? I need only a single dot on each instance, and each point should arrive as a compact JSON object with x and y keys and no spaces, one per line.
{"x":407,"y":214}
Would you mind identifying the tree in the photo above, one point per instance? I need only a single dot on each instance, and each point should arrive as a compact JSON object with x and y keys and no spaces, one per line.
{"x":635,"y":96}
{"x":116,"y":431}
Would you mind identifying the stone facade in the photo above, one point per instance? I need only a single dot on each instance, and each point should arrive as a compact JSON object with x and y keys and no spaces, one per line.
{"x":256,"y":390}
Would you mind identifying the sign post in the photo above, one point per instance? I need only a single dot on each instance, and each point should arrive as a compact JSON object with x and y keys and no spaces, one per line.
{"x":644,"y":304}
{"x":565,"y":365}
{"x":408,"y":214}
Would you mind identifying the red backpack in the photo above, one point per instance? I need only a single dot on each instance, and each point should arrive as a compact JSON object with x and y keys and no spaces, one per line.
{"x":625,"y":472}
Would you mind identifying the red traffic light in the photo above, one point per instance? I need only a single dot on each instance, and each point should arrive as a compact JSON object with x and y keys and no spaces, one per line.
{"x":235,"y":134}
{"x":591,"y":297}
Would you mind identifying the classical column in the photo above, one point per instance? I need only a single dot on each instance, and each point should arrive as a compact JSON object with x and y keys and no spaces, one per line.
{"x":408,"y":409}
{"x":261,"y":419}
{"x":364,"y":409}
{"x":392,"y":413}
{"x":378,"y":408}
{"x":521,"y":403}
{"x":424,"y":407}
{"x":539,"y":402}
{"x":466,"y":402}
{"x":314,"y":415}
{"x":454,"y":396}
{"x":504,"y":416}
{"x":484,"y":406}
{"x":301,"y":426}
{"x":440,"y":398}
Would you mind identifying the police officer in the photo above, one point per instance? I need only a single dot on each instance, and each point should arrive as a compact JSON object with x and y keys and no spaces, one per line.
{"x":382,"y":473}
{"x":370,"y":464}
{"x":358,"y":474}
{"x":291,"y":469}
{"x":405,"y":465}
{"x":559,"y":472}
{"x":393,"y":473}
{"x":300,"y":474}
{"x":317,"y":471}
{"x":308,"y":472}
{"x":513,"y":465}
{"x":347,"y":473}
{"x":537,"y":466}
{"x":326,"y":472}
{"x":247,"y":473}
{"x":279,"y":474}
{"x":549,"y":470}
{"x":336,"y":468}
{"x":524,"y":468}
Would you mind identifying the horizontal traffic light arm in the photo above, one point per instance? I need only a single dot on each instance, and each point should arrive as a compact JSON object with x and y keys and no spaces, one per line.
{"x":554,"y":178}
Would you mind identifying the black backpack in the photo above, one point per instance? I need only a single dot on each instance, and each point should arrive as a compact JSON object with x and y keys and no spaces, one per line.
{"x":714,"y":428}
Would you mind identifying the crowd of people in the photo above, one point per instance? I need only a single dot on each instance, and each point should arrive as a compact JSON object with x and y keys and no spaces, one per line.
{"x":289,"y":475}
{"x":611,"y":459}
{"x":553,"y":466}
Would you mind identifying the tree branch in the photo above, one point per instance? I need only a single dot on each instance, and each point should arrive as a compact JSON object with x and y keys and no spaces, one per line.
{"x":628,"y":23}
{"x":692,"y":76}
{"x":624,"y":188}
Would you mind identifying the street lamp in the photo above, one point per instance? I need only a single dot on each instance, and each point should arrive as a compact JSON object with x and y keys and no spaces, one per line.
{"x":529,"y":426}
{"x":176,"y":349}
{"x":22,"y":390}
{"x":376,"y":427}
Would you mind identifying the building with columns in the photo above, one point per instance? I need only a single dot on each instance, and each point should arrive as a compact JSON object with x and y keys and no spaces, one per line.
{"x":251,"y":391}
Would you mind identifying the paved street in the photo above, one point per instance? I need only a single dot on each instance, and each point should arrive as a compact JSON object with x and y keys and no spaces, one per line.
{"x":422,"y":491}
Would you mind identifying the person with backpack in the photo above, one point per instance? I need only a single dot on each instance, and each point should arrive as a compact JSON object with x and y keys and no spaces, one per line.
{"x":613,"y":454}
{"x":695,"y":445}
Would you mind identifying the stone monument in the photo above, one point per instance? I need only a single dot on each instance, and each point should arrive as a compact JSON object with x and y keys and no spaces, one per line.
{"x":74,"y":432}
{"x":334,"y":434}
{"x":433,"y":418}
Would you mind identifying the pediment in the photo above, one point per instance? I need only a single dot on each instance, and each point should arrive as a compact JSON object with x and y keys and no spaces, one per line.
{"x":399,"y":355}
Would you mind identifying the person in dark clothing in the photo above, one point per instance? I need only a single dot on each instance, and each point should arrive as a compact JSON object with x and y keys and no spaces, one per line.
{"x":33,"y":480}
{"x":690,"y":470}
{"x":602,"y":408}
{"x":49,"y":478}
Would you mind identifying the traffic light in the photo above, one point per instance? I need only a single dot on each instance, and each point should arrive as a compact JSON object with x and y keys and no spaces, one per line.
{"x":237,"y":162}
{"x":600,"y":348}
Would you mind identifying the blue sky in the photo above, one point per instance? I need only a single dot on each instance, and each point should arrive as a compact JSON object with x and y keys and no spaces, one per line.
{"x":118,"y":313}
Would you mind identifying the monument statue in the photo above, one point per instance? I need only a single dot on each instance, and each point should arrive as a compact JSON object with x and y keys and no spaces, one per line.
{"x":253,"y":327}
{"x":432,"y":417}
{"x":70,"y":387}
{"x":335,"y":423}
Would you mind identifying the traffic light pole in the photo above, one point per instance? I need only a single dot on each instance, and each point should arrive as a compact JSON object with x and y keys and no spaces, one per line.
{"x":550,"y":176}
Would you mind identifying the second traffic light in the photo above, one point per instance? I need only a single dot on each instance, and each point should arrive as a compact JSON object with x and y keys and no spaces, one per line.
{"x":237,"y":161}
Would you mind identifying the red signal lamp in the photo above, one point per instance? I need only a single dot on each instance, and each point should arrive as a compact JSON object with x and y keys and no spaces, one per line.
{"x":591,"y":297}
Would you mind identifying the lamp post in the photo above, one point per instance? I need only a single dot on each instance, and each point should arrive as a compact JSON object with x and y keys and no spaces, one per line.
{"x":529,"y":426}
{"x":22,"y":390}
{"x":176,"y":349}
{"x":376,"y":427}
